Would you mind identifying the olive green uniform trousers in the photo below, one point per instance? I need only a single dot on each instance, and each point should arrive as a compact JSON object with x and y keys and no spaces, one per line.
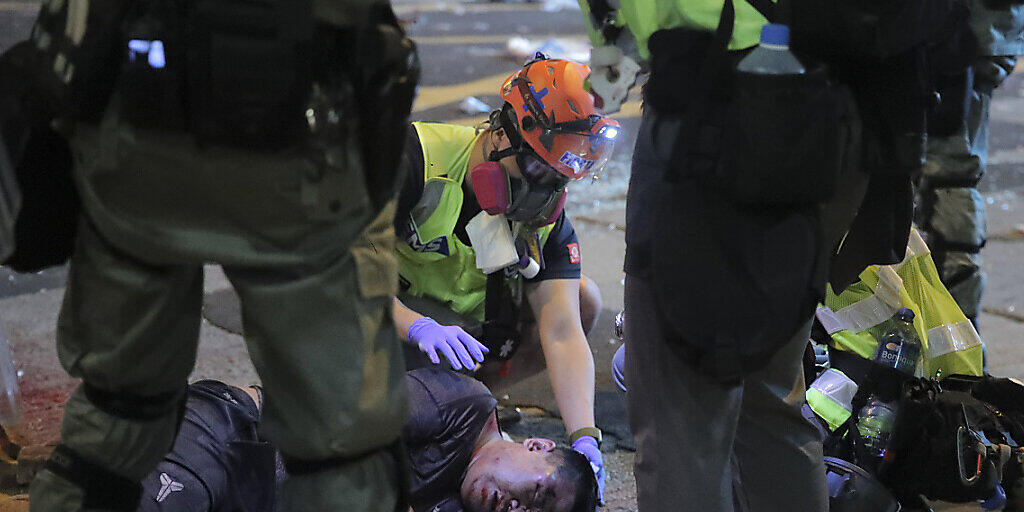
{"x":310,"y":256}
{"x":951,"y":209}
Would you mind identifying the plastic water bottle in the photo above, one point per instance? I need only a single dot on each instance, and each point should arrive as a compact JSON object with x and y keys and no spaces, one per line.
{"x":900,"y":347}
{"x":772,"y":56}
{"x":875,"y":423}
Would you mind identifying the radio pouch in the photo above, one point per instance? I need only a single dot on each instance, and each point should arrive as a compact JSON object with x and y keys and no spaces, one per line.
{"x":249,"y":71}
{"x":233,"y":73}
{"x":759,"y":138}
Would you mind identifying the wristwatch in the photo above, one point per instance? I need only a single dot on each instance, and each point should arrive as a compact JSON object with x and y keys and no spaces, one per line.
{"x":586,"y":431}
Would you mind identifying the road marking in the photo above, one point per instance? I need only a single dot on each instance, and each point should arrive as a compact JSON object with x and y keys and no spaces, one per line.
{"x":488,"y":38}
{"x":19,"y":7}
{"x":461,"y":8}
{"x":430,"y":97}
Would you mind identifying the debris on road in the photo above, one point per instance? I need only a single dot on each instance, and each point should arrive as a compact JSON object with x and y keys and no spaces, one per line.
{"x":559,"y":5}
{"x":575,"y":49}
{"x":471,"y":105}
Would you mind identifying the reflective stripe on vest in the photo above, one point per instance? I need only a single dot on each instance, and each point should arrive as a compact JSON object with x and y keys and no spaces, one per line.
{"x":879,"y":307}
{"x":915,"y":246}
{"x":948,"y":338}
{"x":831,"y":397}
{"x":843,"y":337}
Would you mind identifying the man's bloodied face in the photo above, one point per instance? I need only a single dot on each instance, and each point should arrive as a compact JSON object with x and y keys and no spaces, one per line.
{"x":514,"y":477}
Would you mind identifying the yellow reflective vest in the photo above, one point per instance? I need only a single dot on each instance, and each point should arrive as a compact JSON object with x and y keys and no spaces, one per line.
{"x":855,"y":317}
{"x":433,"y":261}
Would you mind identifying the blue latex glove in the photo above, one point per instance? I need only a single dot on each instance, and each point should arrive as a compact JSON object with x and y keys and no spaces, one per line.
{"x":588,"y":446}
{"x":457,"y":345}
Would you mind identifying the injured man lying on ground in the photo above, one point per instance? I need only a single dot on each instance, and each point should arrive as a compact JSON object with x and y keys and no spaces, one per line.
{"x":456,"y":458}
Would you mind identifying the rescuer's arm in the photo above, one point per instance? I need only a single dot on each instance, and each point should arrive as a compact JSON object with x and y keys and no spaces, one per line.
{"x":555,"y":304}
{"x":404,"y":318}
{"x":460,"y":348}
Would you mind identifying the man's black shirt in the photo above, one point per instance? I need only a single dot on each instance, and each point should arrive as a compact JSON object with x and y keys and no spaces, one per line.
{"x":447,"y":412}
{"x":218,"y":463}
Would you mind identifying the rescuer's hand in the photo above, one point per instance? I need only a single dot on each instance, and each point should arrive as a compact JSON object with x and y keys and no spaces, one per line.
{"x":457,"y":345}
{"x":611,"y":75}
{"x":588,"y":446}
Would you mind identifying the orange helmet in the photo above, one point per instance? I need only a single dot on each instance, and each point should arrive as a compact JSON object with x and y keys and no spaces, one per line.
{"x":554,"y":115}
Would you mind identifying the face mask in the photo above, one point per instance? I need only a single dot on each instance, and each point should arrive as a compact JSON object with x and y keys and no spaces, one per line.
{"x":535,"y":205}
{"x":491,"y":187}
{"x":536,"y":201}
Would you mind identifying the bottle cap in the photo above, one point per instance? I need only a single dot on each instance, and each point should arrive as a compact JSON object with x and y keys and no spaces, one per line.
{"x":905,"y":314}
{"x":774,"y":33}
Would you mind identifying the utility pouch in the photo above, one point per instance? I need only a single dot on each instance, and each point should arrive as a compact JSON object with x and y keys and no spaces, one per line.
{"x":153,"y":70}
{"x":37,"y":176}
{"x":249,"y":68}
{"x":81,"y":54}
{"x":892,"y":96}
{"x":389,"y":70}
{"x":734,"y":283}
{"x":783,"y":139}
{"x":760,"y":139}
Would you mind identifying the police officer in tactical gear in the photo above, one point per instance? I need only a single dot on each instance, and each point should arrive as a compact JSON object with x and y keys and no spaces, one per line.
{"x":951,"y":210}
{"x":743,"y":184}
{"x":258,"y":136}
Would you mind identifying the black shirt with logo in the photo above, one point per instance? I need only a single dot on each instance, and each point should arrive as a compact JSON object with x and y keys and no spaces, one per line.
{"x":219,"y":464}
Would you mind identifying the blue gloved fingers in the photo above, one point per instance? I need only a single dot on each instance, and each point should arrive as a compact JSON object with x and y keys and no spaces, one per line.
{"x":476,"y":349}
{"x":446,"y":349}
{"x":453,"y":340}
{"x":431,"y":353}
{"x":588,"y":447}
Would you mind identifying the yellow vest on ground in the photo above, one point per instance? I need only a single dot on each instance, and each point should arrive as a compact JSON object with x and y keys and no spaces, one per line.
{"x":855,"y":318}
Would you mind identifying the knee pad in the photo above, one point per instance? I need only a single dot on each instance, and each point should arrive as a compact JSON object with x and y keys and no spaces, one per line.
{"x":104,"y":489}
{"x":619,"y":367}
{"x":136,"y":407}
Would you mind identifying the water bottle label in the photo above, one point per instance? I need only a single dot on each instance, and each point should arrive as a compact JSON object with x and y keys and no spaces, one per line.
{"x":889,"y":354}
{"x":900,"y":356}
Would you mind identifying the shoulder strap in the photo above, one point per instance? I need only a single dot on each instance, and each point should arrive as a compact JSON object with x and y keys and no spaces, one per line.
{"x":501,"y":318}
{"x":765,"y":7}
